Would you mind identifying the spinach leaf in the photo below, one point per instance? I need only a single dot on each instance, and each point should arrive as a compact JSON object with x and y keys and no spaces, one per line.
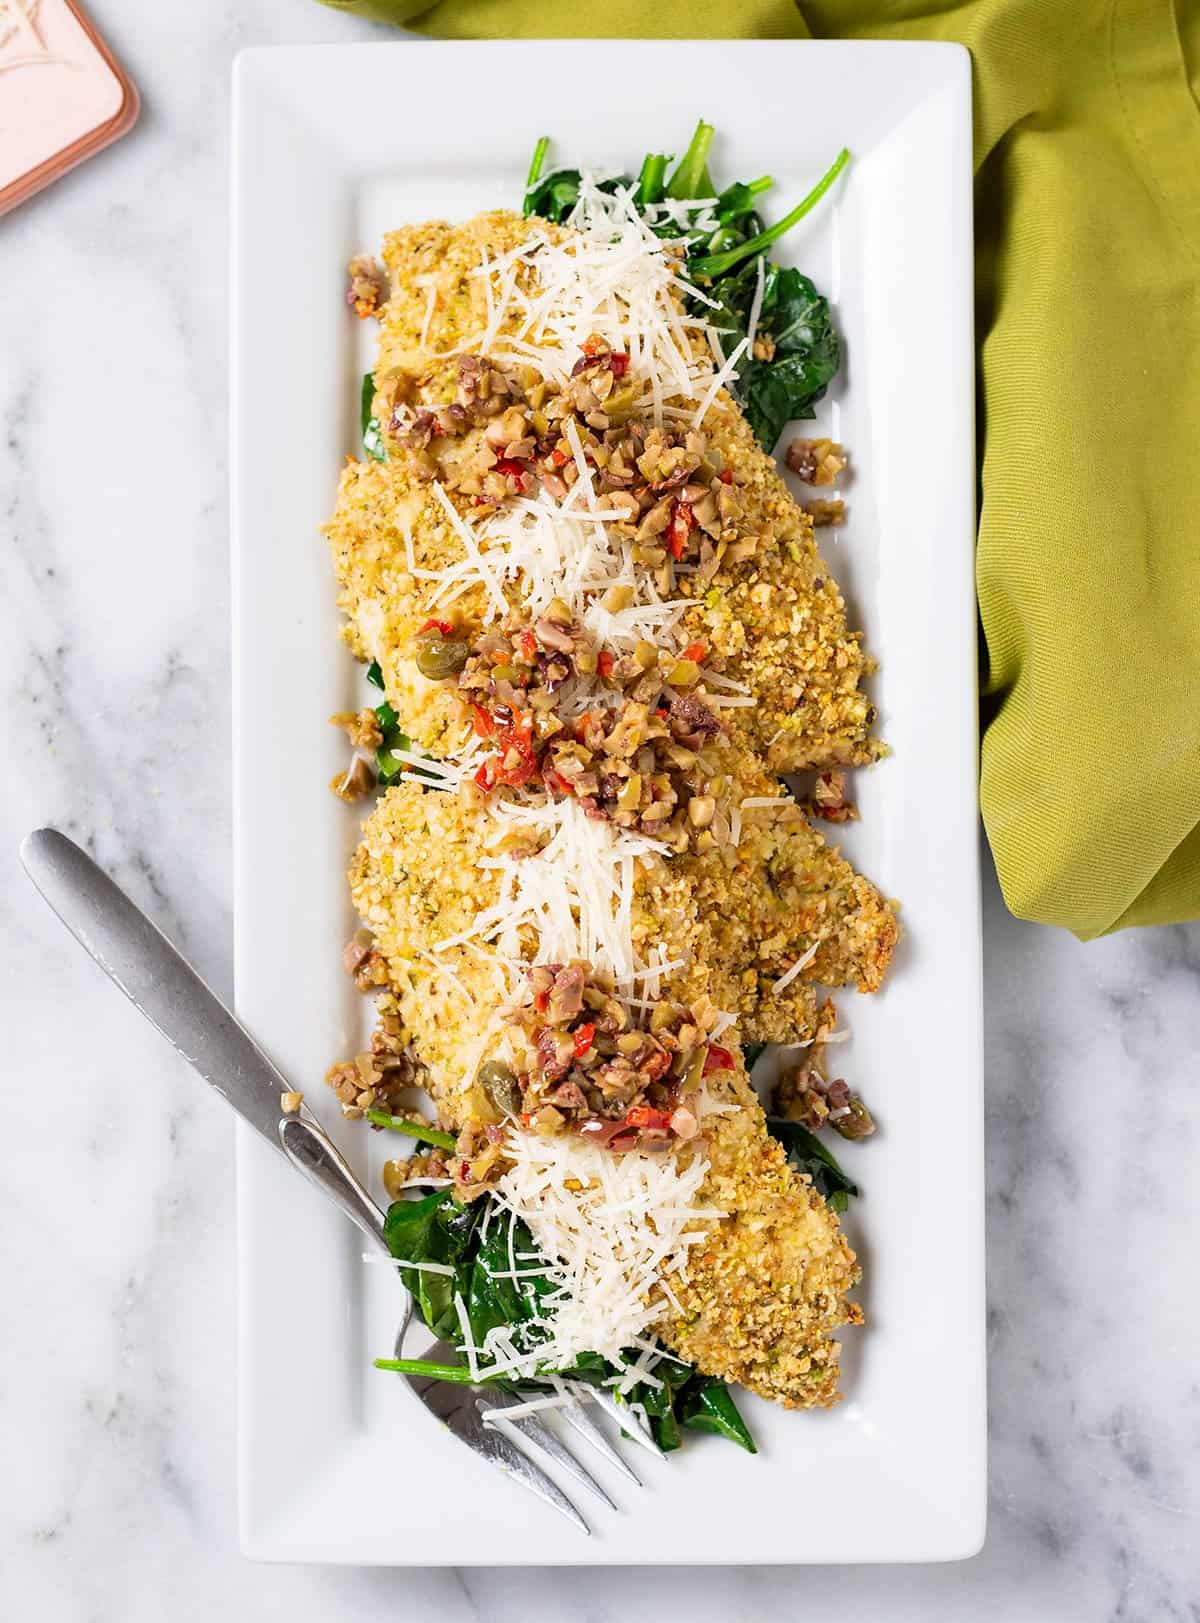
{"x":434,"y":1229}
{"x":375,"y":675}
{"x":779,"y":392}
{"x":685,"y":1399}
{"x":372,"y":434}
{"x":736,"y":210}
{"x":388,"y":765}
{"x":805,"y":353}
{"x":554,"y":197}
{"x":657,"y":1402}
{"x":494,"y":1298}
{"x":706,"y":1404}
{"x":807,"y":1154}
{"x":658,"y":1405}
{"x":737,"y":204}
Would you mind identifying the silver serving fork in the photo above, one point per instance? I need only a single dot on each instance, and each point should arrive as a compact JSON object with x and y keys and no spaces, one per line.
{"x":163,"y":986}
{"x":477,"y":1416}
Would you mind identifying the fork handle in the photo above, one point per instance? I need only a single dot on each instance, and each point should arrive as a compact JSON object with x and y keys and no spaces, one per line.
{"x":312,"y":1152}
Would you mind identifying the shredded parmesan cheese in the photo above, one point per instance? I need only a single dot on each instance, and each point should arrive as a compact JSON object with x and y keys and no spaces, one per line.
{"x":612,"y":1226}
{"x":789,"y":975}
{"x":575,"y":893}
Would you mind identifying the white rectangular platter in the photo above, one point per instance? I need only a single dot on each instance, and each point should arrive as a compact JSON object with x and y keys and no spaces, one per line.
{"x":331,"y":147}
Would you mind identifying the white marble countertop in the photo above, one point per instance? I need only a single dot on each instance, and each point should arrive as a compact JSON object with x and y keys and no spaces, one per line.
{"x":117,"y":1240}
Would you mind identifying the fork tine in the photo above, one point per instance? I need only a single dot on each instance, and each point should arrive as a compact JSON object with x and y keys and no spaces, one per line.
{"x":542,"y":1437}
{"x":455,"y":1408}
{"x":576,"y":1416}
{"x":625,"y":1419}
{"x":501,"y":1451}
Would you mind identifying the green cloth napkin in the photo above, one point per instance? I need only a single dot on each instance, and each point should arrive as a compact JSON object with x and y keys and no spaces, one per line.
{"x":1087,"y":153}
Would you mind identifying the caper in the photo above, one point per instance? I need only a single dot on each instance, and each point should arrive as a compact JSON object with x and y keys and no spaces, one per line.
{"x":499,"y":1082}
{"x":440,"y":657}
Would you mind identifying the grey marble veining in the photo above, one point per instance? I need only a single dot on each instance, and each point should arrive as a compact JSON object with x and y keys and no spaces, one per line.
{"x":116,"y":1233}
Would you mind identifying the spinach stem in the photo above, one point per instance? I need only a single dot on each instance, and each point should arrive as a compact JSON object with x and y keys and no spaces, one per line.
{"x":536,"y":162}
{"x":650,"y":181}
{"x":411,"y":1129}
{"x":458,"y":1373}
{"x":715,"y":265}
{"x":691,"y":177}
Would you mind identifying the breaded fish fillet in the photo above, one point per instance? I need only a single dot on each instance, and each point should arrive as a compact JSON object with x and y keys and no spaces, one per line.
{"x":776,"y":617}
{"x":766,"y":1289}
{"x":417,"y":880}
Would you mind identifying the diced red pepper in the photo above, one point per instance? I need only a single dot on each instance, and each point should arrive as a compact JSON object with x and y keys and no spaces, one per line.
{"x":517,"y":776}
{"x":527,"y":643}
{"x":605,"y":662}
{"x":583,"y":1039}
{"x":591,"y":345}
{"x":557,"y":783}
{"x":717,"y":1059}
{"x":482,"y":777}
{"x":485,"y":727}
{"x":695,"y":651}
{"x":647,"y":1116}
{"x":726,"y":476}
{"x":656,"y":1065}
{"x":560,"y":458}
{"x":518,"y":735}
{"x":619,"y":364}
{"x":541,"y":1001}
{"x":681,"y":526}
{"x":464,"y":1172}
{"x":516,"y":471}
{"x":443,"y":626}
